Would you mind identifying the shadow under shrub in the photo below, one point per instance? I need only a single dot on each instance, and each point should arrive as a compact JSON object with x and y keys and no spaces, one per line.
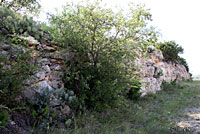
{"x":96,"y":87}
{"x":134,"y":92}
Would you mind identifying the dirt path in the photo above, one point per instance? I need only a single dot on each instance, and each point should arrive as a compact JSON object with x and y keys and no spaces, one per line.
{"x":190,"y":122}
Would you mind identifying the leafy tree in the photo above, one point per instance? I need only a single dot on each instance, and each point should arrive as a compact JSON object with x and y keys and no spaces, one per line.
{"x":20,"y":5}
{"x":101,"y":42}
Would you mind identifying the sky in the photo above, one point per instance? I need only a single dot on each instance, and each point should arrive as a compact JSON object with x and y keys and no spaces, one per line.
{"x":177,"y":20}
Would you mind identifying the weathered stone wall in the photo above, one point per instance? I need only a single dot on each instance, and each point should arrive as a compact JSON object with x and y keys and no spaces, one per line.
{"x":153,"y":70}
{"x":50,"y":71}
{"x":49,"y":62}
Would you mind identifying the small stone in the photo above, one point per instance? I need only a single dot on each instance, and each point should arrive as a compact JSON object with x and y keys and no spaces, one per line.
{"x":43,"y":85}
{"x":29,"y":92}
{"x":65,"y":110}
{"x":57,"y":67}
{"x":56,"y":75}
{"x":5,"y":47}
{"x":40,"y":75}
{"x":51,"y":49}
{"x":4,"y":53}
{"x":16,"y":49}
{"x":44,"y":61}
{"x":149,"y":62}
{"x":60,"y":55}
{"x":34,"y":53}
{"x":12,"y":123}
{"x":30,"y":81}
{"x":32,"y":41}
{"x":47,"y":68}
{"x":55,"y":84}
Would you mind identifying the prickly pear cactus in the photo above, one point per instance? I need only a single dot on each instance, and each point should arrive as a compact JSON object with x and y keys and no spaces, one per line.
{"x":12,"y":23}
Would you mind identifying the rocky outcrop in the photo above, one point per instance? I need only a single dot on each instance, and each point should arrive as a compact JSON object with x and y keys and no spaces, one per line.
{"x":153,"y":70}
{"x":49,"y":63}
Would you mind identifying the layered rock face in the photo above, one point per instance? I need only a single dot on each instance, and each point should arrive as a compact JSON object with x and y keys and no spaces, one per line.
{"x":49,"y":64}
{"x":50,"y":72}
{"x":153,"y":70}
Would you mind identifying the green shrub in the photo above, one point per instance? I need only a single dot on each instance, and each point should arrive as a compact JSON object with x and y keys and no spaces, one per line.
{"x":15,"y":67}
{"x":170,"y":50}
{"x":96,"y":87}
{"x":183,"y":62}
{"x":100,"y":66}
{"x":168,"y":86}
{"x":133,"y":92}
{"x":3,"y":119}
{"x":26,"y":6}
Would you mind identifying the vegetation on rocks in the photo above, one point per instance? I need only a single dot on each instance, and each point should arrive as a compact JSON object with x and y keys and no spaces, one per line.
{"x":99,"y":71}
{"x":155,"y":113}
{"x":15,"y":24}
{"x":101,"y":66}
{"x":171,"y":51}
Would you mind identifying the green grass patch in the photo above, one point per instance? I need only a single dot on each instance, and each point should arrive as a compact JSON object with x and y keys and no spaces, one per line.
{"x":153,"y":114}
{"x":196,"y":79}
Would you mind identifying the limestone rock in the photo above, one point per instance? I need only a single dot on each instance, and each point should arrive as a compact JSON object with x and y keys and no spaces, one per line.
{"x":46,"y":68}
{"x":32,"y":41}
{"x":56,"y":75}
{"x":65,"y":110}
{"x":30,"y":81}
{"x":4,"y":53}
{"x":55,"y":84}
{"x":43,"y":85}
{"x":5,"y":47}
{"x":59,"y":55}
{"x":153,"y":70}
{"x":29,"y":92}
{"x":56,"y":67}
{"x":48,"y":48}
{"x":45,"y":61}
{"x":40,"y":75}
